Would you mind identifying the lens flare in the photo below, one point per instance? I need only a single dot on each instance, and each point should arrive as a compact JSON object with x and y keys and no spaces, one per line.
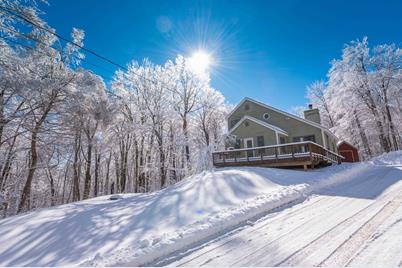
{"x":199,"y":62}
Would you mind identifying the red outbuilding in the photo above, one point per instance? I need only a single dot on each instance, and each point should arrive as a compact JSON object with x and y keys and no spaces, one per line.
{"x":348,"y":151}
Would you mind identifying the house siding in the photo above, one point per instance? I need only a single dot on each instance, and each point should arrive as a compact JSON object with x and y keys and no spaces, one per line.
{"x":253,"y":130}
{"x":293,"y":127}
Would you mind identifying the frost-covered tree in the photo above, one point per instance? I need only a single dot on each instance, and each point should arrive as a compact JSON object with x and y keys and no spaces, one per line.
{"x":362,"y":96}
{"x":65,"y":136}
{"x":316,"y":93}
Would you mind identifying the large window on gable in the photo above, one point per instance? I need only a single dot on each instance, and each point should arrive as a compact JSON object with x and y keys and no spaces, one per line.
{"x":234,"y":122}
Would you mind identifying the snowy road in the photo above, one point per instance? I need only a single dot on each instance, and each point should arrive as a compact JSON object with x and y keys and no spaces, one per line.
{"x":355,"y":223}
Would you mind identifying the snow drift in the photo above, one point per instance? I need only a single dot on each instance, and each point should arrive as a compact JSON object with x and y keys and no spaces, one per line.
{"x":140,"y":228}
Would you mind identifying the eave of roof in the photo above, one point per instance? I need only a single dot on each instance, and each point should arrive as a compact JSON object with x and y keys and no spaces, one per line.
{"x":284,"y":113}
{"x":262,"y":123}
{"x":344,"y":142}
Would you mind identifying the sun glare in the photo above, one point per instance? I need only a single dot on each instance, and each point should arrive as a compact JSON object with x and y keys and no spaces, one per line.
{"x":199,"y":62}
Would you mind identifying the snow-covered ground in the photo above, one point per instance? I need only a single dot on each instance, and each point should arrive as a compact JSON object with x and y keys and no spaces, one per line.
{"x":208,"y":219}
{"x":355,"y":223}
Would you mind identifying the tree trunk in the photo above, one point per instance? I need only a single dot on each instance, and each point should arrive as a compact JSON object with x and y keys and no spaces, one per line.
{"x":394,"y":134}
{"x":2,"y":119}
{"x":117,"y":170}
{"x":76,"y":168}
{"x":162,"y":166}
{"x":106,"y":187}
{"x":205,"y":130}
{"x":52,"y":189}
{"x":363,"y":136}
{"x":136,"y":166}
{"x":141,"y":172}
{"x":159,"y":138}
{"x":173,"y":174}
{"x":124,"y":148}
{"x":87,"y":183}
{"x":383,"y":140}
{"x":97,"y":163}
{"x":370,"y":103}
{"x":25,"y":198}
{"x":26,"y":192}
{"x":64,"y":186}
{"x":5,"y":171}
{"x":185,"y":131}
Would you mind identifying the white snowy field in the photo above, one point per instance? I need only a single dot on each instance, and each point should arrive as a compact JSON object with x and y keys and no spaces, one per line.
{"x":168,"y":225}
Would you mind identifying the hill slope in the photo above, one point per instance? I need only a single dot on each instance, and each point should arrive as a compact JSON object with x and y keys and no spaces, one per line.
{"x":143,"y":227}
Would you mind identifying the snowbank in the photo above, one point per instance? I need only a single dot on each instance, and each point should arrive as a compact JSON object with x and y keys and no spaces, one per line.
{"x":157,"y":246}
{"x":392,"y":158}
{"x":140,"y":228}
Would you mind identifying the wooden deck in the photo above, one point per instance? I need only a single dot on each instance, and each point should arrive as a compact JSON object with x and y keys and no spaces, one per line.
{"x":299,"y":154}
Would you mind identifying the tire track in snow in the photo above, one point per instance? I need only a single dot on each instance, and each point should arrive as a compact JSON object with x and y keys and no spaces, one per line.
{"x":327,"y":237}
{"x":333,"y":204}
{"x":349,"y":249}
{"x":267,"y":221}
{"x":202,"y":255}
{"x":173,"y":258}
{"x":268,"y":217}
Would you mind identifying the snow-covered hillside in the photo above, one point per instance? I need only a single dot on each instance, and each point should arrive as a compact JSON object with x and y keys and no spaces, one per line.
{"x":141,"y":228}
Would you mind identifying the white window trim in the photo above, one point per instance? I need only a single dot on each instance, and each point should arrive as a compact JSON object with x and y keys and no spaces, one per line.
{"x":248,"y":139}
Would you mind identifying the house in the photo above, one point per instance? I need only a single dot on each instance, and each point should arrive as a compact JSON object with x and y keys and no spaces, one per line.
{"x":267,"y":136}
{"x":348,"y":151}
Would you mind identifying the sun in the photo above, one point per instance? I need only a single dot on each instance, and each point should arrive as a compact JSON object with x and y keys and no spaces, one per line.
{"x":199,"y":62}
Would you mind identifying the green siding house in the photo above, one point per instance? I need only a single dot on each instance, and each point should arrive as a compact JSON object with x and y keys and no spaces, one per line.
{"x":255,"y":124}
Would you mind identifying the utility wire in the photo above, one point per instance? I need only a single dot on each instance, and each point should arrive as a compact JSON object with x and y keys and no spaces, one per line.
{"x":60,"y":37}
{"x":45,"y":54}
{"x":11,"y":12}
{"x":25,"y":36}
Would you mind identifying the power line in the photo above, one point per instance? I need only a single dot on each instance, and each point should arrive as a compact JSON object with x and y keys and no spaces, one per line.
{"x":41,"y":42}
{"x":81,"y":47}
{"x":61,"y":37}
{"x":43,"y":53}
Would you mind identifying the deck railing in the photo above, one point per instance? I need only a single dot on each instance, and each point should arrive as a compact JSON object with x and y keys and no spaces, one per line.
{"x":290,"y":151}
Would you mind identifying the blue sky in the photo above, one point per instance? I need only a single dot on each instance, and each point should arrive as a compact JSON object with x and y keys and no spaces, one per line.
{"x":267,"y":50}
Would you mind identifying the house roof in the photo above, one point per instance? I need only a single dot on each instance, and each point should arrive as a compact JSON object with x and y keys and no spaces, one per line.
{"x":344,"y":142}
{"x":284,"y":113}
{"x":262,"y":123}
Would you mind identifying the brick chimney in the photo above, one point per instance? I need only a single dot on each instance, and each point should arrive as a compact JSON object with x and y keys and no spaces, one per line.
{"x":312,"y":114}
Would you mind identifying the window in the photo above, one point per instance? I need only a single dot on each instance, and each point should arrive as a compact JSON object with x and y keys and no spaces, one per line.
{"x":233,"y":122}
{"x":266,"y":116}
{"x":282,"y":140}
{"x":237,"y":143}
{"x":246,"y":124}
{"x":309,"y":138}
{"x":260,"y":141}
{"x":304,"y":138}
{"x":246,"y":107}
